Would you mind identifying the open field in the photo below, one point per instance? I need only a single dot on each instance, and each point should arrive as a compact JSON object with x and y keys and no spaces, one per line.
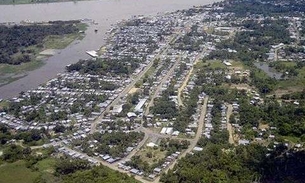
{"x":62,"y":41}
{"x":17,"y":172}
{"x":3,"y":104}
{"x":212,"y":64}
{"x":46,"y":165}
{"x":296,"y":83}
{"x":157,"y":155}
{"x":59,"y":42}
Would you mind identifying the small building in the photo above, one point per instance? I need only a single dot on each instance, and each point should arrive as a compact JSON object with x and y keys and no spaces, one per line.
{"x":227,"y":63}
{"x":139,"y":106}
{"x":198,"y":149}
{"x":175,"y":133}
{"x":163,"y":131}
{"x":157,"y":170}
{"x":243,"y":142}
{"x":131,"y":115}
{"x":134,"y":171}
{"x":169,"y":130}
{"x":117,"y":109}
{"x":151,"y":144}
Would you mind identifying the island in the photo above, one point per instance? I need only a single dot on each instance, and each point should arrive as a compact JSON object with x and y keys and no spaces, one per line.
{"x":25,"y":46}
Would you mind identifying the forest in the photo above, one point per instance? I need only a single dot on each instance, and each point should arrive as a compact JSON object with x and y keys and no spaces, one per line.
{"x":16,"y":40}
{"x":108,"y":66}
{"x":243,"y":8}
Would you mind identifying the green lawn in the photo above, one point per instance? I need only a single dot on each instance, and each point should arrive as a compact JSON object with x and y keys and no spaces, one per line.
{"x":217,"y":64}
{"x":297,"y":82}
{"x":4,"y":104}
{"x":157,"y":155}
{"x":59,"y":42}
{"x":210,"y":64}
{"x":289,"y":64}
{"x":46,"y":165}
{"x":292,"y":139}
{"x":17,"y":173}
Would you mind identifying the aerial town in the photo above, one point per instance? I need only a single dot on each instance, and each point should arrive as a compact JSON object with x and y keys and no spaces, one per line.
{"x":161,"y":86}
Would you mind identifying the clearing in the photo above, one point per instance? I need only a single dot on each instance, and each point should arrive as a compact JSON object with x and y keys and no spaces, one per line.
{"x":151,"y":155}
{"x":17,"y":172}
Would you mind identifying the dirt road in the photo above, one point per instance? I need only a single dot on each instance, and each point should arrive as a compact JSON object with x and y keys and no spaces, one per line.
{"x":193,"y":141}
{"x":229,"y":126}
{"x":164,"y":79}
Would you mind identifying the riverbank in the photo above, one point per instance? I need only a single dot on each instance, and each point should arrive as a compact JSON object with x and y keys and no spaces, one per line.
{"x":105,"y":14}
{"x":40,"y":53}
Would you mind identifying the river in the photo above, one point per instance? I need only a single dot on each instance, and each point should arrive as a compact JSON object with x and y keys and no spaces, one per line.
{"x":104,"y":12}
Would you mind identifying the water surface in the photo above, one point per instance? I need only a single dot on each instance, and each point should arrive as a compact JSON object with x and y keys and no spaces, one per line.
{"x":104,"y":12}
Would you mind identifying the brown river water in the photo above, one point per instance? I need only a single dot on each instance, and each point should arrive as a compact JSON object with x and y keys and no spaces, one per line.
{"x":104,"y":12}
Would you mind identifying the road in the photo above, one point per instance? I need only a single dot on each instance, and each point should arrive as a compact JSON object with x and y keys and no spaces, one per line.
{"x":186,"y":80}
{"x":164,"y":79}
{"x":229,"y":126}
{"x":113,"y":166}
{"x":193,"y":141}
{"x":130,"y":86}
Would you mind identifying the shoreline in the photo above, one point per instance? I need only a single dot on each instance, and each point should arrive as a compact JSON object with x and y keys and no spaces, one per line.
{"x":100,"y":12}
{"x":52,"y":44}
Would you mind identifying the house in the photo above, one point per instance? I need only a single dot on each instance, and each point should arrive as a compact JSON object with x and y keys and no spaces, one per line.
{"x":198,"y":149}
{"x":139,"y":106}
{"x":151,"y":144}
{"x":134,"y":171}
{"x":243,"y":142}
{"x":117,"y":109}
{"x":131,"y":115}
{"x":157,"y":170}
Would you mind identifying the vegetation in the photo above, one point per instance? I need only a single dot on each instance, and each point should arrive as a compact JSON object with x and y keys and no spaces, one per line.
{"x":124,"y":66}
{"x":9,"y":73}
{"x":99,"y":174}
{"x":218,"y":164}
{"x":19,"y":52}
{"x":17,"y":172}
{"x":266,"y":7}
{"x":14,"y":45}
{"x":118,"y":141}
{"x":23,"y":165}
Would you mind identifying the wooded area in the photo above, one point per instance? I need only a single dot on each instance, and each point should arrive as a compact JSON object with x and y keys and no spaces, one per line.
{"x":16,"y":41}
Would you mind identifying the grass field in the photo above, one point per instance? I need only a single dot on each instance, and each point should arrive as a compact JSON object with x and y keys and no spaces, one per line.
{"x":218,"y":64}
{"x":294,"y":83}
{"x":210,"y":64}
{"x":59,"y":42}
{"x":46,"y":165}
{"x":3,"y":104}
{"x":157,"y":155}
{"x":17,"y":172}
